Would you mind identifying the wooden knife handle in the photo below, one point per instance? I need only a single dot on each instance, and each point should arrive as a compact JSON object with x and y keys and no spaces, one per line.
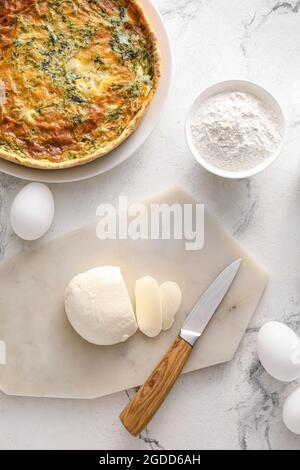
{"x":140,"y":410}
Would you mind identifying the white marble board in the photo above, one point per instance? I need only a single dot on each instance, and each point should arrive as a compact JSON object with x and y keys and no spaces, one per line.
{"x":46,"y":357}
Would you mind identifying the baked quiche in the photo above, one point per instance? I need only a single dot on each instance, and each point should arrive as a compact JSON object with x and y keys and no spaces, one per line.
{"x":76,"y":77}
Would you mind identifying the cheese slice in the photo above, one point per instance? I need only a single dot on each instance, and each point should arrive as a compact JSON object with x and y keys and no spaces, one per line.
{"x":171,"y":299}
{"x":148,"y":306}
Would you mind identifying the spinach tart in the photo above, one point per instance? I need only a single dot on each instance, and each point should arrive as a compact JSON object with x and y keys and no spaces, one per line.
{"x":76,"y":77}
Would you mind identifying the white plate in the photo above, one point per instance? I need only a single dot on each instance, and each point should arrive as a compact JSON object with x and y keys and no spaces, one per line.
{"x":125,"y":150}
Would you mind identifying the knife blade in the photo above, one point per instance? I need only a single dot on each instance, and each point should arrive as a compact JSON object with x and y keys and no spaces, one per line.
{"x":203,"y":311}
{"x":140,"y":410}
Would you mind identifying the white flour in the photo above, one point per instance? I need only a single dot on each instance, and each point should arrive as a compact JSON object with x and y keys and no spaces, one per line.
{"x":235,"y":131}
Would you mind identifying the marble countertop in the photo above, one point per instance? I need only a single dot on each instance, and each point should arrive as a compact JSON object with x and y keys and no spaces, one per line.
{"x":235,"y":405}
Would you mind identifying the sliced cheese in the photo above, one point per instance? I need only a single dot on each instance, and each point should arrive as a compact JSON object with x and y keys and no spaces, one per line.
{"x":148,"y":306}
{"x":171,"y":299}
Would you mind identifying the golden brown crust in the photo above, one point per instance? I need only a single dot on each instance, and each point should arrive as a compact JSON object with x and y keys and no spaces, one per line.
{"x":48,"y":165}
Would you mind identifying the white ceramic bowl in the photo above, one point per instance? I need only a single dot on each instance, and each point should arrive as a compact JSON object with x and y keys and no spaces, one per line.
{"x":242,"y":86}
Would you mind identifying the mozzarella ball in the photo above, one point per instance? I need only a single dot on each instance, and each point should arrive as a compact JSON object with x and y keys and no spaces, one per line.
{"x":98,"y":306}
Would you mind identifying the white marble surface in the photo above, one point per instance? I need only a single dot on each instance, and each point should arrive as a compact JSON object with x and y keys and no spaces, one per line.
{"x":236,"y":405}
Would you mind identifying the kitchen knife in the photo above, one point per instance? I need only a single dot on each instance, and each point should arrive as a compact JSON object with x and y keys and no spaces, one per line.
{"x":140,"y":410}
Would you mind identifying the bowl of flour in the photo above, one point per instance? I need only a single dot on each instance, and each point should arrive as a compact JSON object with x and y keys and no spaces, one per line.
{"x":235,"y":129}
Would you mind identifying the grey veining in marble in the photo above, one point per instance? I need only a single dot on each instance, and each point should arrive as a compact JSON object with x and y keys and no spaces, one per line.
{"x":212,"y":40}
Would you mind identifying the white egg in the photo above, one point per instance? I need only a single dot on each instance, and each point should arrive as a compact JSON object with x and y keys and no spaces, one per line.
{"x":291,"y":412}
{"x":32,"y":211}
{"x":278,"y":349}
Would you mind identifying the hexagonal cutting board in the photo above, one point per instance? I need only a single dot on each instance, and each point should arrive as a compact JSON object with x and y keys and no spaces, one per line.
{"x":44,"y":355}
